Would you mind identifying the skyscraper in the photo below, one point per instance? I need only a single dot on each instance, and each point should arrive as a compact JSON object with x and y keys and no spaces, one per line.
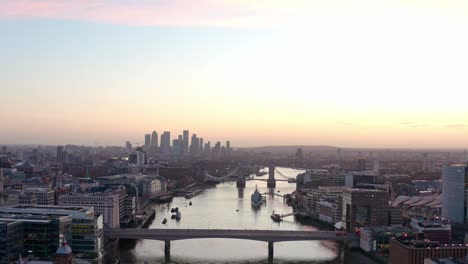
{"x":454,"y":193}
{"x":147,"y":140}
{"x":186,"y":141}
{"x":194,"y":145}
{"x":60,"y":154}
{"x":154,"y":139}
{"x":166,"y":143}
{"x":200,"y":145}
{"x":128,"y":146}
{"x":176,"y":147}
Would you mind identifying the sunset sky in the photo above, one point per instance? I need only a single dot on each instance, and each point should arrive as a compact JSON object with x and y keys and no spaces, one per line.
{"x":364,"y":73}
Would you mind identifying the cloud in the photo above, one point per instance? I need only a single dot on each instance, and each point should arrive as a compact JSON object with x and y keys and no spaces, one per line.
{"x":344,"y":123}
{"x":220,"y":13}
{"x":455,"y":126}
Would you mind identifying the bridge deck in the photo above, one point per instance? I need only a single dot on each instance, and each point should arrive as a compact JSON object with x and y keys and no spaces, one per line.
{"x":258,"y":235}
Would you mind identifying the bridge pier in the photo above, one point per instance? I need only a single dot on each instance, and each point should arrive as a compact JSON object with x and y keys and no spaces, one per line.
{"x":270,"y":252}
{"x":167,"y":251}
{"x":271,"y":182}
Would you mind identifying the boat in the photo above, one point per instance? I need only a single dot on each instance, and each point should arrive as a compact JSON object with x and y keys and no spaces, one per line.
{"x":172,"y":210}
{"x":178,"y":215}
{"x":276,"y":217}
{"x":164,"y":221}
{"x":256,"y":199}
{"x":173,"y":216}
{"x":190,"y":203}
{"x":260,"y":173}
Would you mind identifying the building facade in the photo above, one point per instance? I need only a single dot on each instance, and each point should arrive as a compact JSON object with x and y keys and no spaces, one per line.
{"x":454,"y":193}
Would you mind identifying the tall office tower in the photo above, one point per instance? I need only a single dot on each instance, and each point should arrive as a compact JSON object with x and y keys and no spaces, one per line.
{"x":425,"y":166}
{"x":186,"y":141}
{"x":4,"y":149}
{"x":60,"y":154}
{"x":339,"y":157}
{"x":147,"y":141}
{"x":176,"y":147}
{"x":140,"y":157}
{"x":299,"y":154}
{"x":194,"y":145}
{"x":361,"y":165}
{"x":217,"y":149}
{"x":128,"y":146}
{"x":454,"y":193}
{"x":207,"y":148}
{"x":154,"y":139}
{"x":166,"y":143}
{"x":376,"y":167}
{"x":228,"y":145}
{"x":200,"y":145}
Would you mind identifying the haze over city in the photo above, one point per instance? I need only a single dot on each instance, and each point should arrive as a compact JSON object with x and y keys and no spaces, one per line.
{"x":362,"y":74}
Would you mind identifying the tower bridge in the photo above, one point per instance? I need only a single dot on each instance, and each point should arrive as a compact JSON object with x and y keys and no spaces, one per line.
{"x":240,"y":181}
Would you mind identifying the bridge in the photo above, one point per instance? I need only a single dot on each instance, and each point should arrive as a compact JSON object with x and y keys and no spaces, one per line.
{"x":269,"y":236}
{"x":271,"y":181}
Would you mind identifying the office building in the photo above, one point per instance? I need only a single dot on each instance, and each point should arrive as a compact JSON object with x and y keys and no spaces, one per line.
{"x":176,"y":147}
{"x":60,"y":154}
{"x":376,"y":239}
{"x":140,"y":157}
{"x":44,"y":196}
{"x":147,"y":141}
{"x":85,"y":234}
{"x":194,"y":145}
{"x":433,"y":230}
{"x":106,"y":204}
{"x":416,"y":251}
{"x":11,"y":240}
{"x":166,"y":143}
{"x":314,"y":178}
{"x":200,"y":145}
{"x":41,"y":233}
{"x":361,"y":165}
{"x":186,"y":141}
{"x":154,"y":139}
{"x":128,"y":146}
{"x":363,"y":207}
{"x":454,"y":193}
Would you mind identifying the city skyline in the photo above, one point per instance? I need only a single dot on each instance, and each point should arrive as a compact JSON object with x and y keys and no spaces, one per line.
{"x":362,"y":74}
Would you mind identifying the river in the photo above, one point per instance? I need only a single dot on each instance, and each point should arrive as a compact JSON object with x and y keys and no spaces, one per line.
{"x":226,"y":207}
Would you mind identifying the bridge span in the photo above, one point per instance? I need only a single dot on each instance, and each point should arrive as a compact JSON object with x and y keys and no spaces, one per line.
{"x":270,"y":236}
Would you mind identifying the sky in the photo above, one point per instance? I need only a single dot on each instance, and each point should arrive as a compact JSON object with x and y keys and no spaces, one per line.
{"x":363,"y":73}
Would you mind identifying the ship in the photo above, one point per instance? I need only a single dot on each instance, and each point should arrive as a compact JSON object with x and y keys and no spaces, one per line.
{"x":276,"y":217}
{"x":256,"y":199}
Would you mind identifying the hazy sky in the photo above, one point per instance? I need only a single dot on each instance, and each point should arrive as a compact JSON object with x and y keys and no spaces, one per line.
{"x":363,"y":73}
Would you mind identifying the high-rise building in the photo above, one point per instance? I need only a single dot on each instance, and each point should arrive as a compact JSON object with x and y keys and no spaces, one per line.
{"x":186,"y":141}
{"x":166,"y":143}
{"x":207,"y":148}
{"x":299,"y":154}
{"x":454,"y":193}
{"x":363,"y":207}
{"x":176,"y":147}
{"x":200,"y":144}
{"x":228,"y":145}
{"x":154,"y":139}
{"x":60,"y":154}
{"x":128,"y":146}
{"x":147,"y":141}
{"x":376,"y":167}
{"x":194,"y":145}
{"x":140,"y":157}
{"x":361,"y":165}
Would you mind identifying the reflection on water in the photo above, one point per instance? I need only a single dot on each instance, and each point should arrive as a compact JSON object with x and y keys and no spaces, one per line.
{"x":226,"y":207}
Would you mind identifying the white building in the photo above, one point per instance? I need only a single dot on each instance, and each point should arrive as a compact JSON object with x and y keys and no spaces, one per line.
{"x":106,"y":204}
{"x":44,"y":196}
{"x":454,"y":201}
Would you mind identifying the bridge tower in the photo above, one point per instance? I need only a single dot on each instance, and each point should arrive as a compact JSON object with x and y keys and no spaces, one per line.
{"x":271,"y":182}
{"x":240,"y":179}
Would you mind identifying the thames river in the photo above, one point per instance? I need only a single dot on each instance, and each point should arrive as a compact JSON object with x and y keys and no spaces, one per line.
{"x":226,"y":207}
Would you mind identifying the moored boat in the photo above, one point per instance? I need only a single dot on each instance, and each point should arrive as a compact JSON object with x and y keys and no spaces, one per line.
{"x":256,"y":199}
